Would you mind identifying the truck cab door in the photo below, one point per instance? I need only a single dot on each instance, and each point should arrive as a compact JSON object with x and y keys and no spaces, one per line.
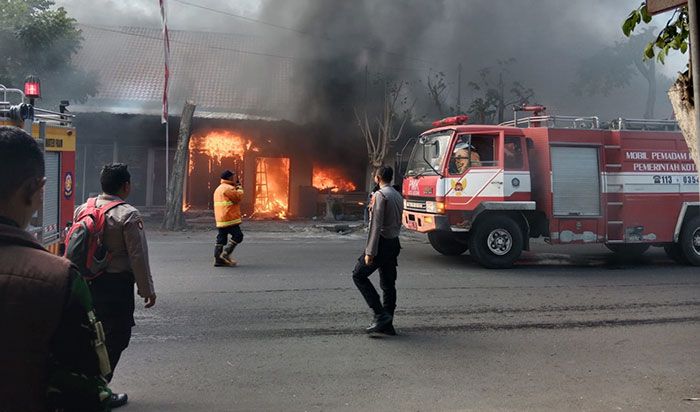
{"x":474,"y":169}
{"x":516,"y":170}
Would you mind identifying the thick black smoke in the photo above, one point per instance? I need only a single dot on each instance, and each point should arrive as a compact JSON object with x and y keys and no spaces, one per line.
{"x":408,"y":40}
{"x":331,"y":43}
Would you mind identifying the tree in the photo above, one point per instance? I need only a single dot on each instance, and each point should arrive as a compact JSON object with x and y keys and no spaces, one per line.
{"x":492,"y":84}
{"x":437,"y":88}
{"x":174,"y":218}
{"x":613,"y":67}
{"x":40,"y":40}
{"x":674,"y":36}
{"x":380,"y":132}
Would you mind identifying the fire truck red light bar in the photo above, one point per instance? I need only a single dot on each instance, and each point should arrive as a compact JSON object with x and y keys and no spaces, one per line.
{"x":451,"y":121}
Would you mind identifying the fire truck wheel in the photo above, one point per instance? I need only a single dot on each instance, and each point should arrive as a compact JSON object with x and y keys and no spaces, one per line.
{"x":496,"y":242}
{"x":628,"y":249}
{"x":690,"y":241}
{"x":448,"y":243}
{"x":675,"y":252}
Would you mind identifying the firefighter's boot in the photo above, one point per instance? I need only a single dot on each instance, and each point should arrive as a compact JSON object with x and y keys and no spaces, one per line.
{"x":218,"y":250}
{"x":226,"y":253}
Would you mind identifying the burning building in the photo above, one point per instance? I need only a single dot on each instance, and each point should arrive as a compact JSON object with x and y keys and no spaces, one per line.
{"x":286,"y":169}
{"x":279,"y":175}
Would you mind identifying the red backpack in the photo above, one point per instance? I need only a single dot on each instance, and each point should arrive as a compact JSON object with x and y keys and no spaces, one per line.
{"x":84,"y":246}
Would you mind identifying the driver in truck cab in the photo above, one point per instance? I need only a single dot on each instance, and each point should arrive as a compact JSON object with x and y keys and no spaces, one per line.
{"x":465,"y":158}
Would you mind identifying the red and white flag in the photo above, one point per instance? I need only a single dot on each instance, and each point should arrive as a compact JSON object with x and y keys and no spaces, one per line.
{"x":166,"y":51}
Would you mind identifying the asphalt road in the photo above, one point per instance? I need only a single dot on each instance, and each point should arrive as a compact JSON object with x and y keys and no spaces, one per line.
{"x":570,"y":328}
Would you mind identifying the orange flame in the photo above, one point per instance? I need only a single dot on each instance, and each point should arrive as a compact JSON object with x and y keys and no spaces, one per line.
{"x":220,"y":144}
{"x":271,"y":188}
{"x":330,"y":178}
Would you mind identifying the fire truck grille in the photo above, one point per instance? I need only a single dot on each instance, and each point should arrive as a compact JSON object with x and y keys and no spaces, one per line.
{"x":416,"y":205}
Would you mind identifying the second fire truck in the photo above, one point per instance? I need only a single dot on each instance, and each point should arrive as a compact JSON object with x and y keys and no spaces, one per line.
{"x":55,"y":133}
{"x":630,"y":185}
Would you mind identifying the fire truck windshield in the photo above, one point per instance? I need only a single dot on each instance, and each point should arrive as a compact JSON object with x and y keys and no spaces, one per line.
{"x":428,"y":153}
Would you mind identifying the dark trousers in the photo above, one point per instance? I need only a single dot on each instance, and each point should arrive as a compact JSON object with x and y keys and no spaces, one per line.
{"x":113,"y":299}
{"x":116,"y":340}
{"x":385,"y":262}
{"x":224,"y":232}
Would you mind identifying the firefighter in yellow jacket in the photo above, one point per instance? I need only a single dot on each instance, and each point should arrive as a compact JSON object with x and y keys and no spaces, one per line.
{"x":227,"y":211}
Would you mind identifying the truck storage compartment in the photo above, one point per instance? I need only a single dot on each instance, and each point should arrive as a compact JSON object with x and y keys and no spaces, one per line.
{"x":575,"y":181}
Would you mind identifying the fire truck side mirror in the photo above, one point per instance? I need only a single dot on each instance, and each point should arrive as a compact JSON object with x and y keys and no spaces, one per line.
{"x":21,"y":111}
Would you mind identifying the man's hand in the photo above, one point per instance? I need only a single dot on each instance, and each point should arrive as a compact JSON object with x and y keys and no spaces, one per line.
{"x":368,"y":260}
{"x":150,"y":301}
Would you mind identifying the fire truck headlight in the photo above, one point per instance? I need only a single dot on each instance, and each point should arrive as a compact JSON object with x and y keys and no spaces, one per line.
{"x":435,"y":207}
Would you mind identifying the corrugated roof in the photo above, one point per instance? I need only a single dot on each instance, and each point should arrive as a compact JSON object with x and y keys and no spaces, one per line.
{"x":205,"y":67}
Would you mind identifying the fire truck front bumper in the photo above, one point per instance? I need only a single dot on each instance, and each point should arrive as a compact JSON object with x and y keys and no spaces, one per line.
{"x":425,"y":222}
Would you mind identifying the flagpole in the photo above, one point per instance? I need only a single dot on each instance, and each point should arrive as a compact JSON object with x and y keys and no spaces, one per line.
{"x":167,"y":156}
{"x":166,"y":64}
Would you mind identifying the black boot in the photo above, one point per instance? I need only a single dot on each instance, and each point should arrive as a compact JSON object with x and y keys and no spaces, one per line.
{"x":118,"y":399}
{"x":226,"y":254}
{"x":379,"y":324}
{"x":217,"y":256}
{"x":389,"y":329}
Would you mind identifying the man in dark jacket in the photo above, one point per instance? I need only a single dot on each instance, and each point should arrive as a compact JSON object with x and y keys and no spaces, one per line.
{"x":381,"y":253}
{"x":51,"y":352}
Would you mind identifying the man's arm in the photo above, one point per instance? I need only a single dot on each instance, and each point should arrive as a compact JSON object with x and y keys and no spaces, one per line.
{"x":79,"y":363}
{"x":72,"y":346}
{"x":375,"y":225}
{"x":137,"y":248}
{"x":234,"y":195}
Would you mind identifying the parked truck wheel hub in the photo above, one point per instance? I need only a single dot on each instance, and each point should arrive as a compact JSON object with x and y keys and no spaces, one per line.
{"x":696,"y":241}
{"x":500,"y":242}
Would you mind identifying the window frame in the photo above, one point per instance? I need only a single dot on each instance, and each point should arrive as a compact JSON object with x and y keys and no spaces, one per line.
{"x":497,"y":149}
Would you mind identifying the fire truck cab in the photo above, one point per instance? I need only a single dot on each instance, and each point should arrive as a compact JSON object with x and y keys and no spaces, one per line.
{"x":55,"y":133}
{"x":490,"y":188}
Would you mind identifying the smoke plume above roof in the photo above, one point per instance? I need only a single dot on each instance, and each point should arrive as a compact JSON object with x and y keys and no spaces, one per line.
{"x":340,"y":48}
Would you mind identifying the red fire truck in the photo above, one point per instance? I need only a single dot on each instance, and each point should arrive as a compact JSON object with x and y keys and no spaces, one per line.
{"x":630,"y":184}
{"x":55,"y":133}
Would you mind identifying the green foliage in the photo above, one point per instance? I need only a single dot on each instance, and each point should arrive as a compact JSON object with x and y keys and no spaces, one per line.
{"x":613,"y":67}
{"x":495,"y":92}
{"x":674,"y":36}
{"x":38,"y":39}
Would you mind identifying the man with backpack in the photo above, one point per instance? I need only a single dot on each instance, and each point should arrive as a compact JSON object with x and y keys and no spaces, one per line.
{"x":117,"y":258}
{"x":52,"y":353}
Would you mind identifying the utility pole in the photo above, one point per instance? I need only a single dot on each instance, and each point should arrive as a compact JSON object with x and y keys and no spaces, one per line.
{"x":366,"y":85}
{"x":459,"y":88}
{"x":695,"y":67}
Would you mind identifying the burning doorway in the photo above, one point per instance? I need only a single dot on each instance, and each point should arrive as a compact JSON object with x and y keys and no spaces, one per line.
{"x":271,"y":187}
{"x":210,"y":154}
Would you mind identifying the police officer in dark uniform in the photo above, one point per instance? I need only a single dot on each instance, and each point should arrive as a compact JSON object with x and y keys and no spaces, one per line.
{"x":381,"y":253}
{"x":113,"y":291}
